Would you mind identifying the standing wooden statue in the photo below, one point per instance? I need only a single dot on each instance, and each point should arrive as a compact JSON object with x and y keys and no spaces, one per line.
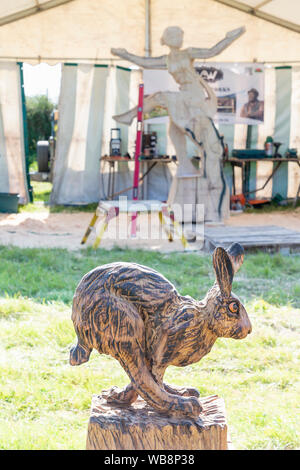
{"x":136,"y":315}
{"x":191,"y":111}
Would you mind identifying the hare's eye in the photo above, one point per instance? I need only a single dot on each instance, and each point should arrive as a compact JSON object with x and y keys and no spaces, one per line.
{"x":233,"y":307}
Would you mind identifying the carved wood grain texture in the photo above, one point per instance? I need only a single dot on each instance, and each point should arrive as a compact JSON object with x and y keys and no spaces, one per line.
{"x":134,"y":314}
{"x":138,"y":427}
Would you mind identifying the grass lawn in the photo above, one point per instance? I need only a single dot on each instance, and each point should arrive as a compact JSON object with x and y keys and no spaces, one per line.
{"x":45,"y":402}
{"x":41,"y":197}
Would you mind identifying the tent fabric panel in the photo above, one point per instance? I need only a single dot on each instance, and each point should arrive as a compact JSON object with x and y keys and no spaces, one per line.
{"x":282,"y":126}
{"x":92,"y":184}
{"x":13,"y":178}
{"x":114,"y":101}
{"x":66,"y":107}
{"x":293,"y":169}
{"x":76,"y":179}
{"x":267,"y":128}
{"x":124,"y":175}
{"x":122,"y":102}
{"x":159,"y":182}
{"x":4,"y":176}
{"x":87,"y":104}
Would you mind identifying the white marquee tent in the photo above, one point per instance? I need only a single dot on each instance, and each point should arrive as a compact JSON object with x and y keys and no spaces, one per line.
{"x":82,"y":32}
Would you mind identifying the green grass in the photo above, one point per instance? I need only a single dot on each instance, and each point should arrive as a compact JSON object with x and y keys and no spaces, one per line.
{"x":41,"y":197}
{"x":45,"y":402}
{"x":41,"y":191}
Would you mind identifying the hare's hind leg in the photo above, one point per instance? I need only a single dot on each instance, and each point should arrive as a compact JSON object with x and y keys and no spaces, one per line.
{"x":153,"y":391}
{"x":182,"y":391}
{"x":158,"y":373}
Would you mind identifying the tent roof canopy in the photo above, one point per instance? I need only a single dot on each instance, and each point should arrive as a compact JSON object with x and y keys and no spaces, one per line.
{"x":18,"y":9}
{"x":285,"y":13}
{"x":86,"y":30}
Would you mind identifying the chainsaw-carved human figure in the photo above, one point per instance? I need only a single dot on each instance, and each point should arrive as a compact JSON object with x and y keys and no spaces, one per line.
{"x":190,"y":110}
{"x":136,"y":315}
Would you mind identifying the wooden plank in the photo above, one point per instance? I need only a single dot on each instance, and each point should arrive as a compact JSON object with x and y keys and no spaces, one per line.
{"x":253,"y":236}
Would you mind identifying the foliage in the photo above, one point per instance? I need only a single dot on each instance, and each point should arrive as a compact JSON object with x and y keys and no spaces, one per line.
{"x":38,"y":109}
{"x":45,"y":402}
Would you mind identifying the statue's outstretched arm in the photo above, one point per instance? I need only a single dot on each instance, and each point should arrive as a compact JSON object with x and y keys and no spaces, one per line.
{"x":198,"y":53}
{"x":144,"y":62}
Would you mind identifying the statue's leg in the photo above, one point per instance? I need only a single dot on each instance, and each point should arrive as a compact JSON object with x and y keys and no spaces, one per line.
{"x":212,"y":147}
{"x":185,"y":165}
{"x":215,"y":196}
{"x":150,"y":103}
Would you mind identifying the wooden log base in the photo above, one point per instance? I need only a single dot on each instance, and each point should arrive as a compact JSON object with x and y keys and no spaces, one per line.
{"x":140,"y":427}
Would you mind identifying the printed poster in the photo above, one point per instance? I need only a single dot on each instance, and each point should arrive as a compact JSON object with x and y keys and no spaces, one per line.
{"x":239,"y":88}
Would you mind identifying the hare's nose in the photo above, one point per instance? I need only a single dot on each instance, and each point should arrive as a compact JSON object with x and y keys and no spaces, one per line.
{"x":249,"y":329}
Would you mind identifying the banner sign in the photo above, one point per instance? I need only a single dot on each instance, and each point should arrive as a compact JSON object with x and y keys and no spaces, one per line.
{"x":239,"y":88}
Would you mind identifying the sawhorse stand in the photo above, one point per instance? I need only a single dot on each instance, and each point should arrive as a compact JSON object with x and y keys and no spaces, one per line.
{"x":112,"y":209}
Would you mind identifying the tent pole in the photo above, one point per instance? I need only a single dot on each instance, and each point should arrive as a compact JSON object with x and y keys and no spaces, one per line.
{"x":147,"y":28}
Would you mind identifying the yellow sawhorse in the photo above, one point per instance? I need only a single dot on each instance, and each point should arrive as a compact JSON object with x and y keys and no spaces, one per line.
{"x":111,"y":209}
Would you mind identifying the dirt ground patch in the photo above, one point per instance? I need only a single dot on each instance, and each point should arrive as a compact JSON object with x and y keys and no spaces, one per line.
{"x":63,"y":230}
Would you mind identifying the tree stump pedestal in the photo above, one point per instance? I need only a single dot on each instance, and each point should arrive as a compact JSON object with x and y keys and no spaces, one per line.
{"x":140,"y":427}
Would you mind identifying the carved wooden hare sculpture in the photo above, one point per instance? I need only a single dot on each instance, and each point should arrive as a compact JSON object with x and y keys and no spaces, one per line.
{"x":135,"y":315}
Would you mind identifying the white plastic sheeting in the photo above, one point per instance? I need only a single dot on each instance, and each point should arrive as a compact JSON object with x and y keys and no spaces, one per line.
{"x":12,"y":157}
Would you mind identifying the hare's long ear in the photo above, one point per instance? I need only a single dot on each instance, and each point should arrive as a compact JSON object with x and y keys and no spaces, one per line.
{"x":236,"y":255}
{"x":224,"y":270}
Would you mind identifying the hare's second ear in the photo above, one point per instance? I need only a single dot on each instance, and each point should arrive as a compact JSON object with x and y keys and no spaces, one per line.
{"x":224,"y":271}
{"x":236,"y":254}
